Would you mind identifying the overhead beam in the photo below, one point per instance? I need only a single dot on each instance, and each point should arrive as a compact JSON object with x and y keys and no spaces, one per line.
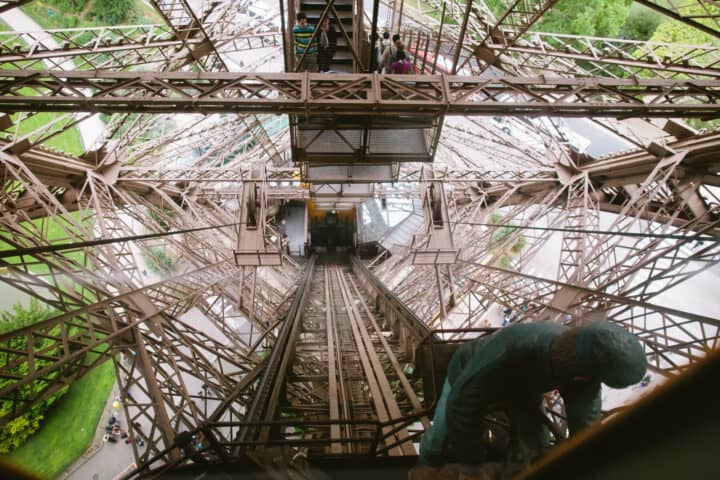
{"x":354,"y":95}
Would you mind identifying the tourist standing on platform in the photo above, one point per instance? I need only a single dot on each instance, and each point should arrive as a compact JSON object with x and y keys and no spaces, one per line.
{"x":385,"y":42}
{"x":401,"y":65}
{"x":382,"y":43}
{"x":302,"y":34}
{"x":328,"y":45}
{"x":390,"y":54}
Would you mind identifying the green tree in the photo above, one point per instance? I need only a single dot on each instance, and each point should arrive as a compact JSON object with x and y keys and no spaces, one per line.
{"x":671,"y":31}
{"x":498,"y":236}
{"x":158,"y":260}
{"x":68,"y":6}
{"x":599,"y":18}
{"x":16,"y":431}
{"x":113,"y":12}
{"x":641,"y":23}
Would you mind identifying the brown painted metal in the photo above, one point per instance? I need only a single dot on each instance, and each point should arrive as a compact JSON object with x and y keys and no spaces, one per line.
{"x":701,"y":14}
{"x":10,"y":4}
{"x":516,"y":20}
{"x":338,"y":95}
{"x":363,"y":328}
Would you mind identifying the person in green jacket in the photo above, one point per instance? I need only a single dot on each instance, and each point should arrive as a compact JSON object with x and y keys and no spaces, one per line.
{"x":509,"y":371}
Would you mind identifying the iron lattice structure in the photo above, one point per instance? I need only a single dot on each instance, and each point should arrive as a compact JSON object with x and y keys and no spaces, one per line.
{"x":190,"y":125}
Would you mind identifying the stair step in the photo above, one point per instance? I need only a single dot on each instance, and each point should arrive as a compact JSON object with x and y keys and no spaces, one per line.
{"x":321,"y":4}
{"x":342,"y":55}
{"x":347,"y":22}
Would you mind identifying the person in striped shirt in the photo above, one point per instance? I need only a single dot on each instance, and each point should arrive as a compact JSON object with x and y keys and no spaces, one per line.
{"x":302,"y":34}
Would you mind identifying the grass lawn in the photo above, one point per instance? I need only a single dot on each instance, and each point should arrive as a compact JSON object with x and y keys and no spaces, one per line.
{"x":68,"y":429}
{"x":51,"y":16}
{"x":68,"y":142}
{"x":55,"y":234}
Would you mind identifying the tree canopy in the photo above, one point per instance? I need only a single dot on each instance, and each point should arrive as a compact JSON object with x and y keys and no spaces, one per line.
{"x":16,"y":431}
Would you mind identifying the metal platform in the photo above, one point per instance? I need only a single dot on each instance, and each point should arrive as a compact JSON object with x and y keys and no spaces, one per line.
{"x":366,"y":142}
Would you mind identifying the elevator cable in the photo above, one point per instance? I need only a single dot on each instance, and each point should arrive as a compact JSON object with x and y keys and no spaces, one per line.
{"x":102,"y":241}
{"x":698,"y":237}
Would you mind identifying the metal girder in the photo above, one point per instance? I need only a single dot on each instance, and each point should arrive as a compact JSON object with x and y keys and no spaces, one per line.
{"x":108,"y":309}
{"x":663,"y":197}
{"x":608,"y":57}
{"x":10,"y":4}
{"x":582,"y":212}
{"x":516,"y":20}
{"x":118,"y":47}
{"x":255,"y":245}
{"x":325,"y":94}
{"x":326,"y":374}
{"x":701,"y":14}
{"x":90,"y":48}
{"x":674,"y":338}
{"x":564,"y":54}
{"x":187,"y":27}
{"x":109,"y":306}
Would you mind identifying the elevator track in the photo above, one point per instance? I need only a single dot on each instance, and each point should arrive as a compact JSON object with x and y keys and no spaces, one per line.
{"x":350,"y":370}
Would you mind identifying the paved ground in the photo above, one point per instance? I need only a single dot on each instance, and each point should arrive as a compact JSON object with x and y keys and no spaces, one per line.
{"x":91,"y":128}
{"x":110,"y":459}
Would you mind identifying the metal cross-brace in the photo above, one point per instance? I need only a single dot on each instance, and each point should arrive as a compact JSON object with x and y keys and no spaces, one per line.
{"x":701,"y":14}
{"x":354,"y":95}
{"x":518,"y":18}
{"x":257,"y":244}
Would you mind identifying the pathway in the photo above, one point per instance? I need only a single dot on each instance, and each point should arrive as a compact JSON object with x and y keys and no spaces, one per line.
{"x":90,"y":128}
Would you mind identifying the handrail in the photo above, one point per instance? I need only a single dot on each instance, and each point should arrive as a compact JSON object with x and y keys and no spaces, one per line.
{"x":411,"y":320}
{"x":220,"y":448}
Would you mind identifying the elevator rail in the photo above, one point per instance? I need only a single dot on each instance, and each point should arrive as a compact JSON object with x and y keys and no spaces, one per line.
{"x":265,"y":401}
{"x":392,"y":306}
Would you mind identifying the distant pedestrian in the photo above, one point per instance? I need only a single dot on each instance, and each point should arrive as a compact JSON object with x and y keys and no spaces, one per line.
{"x":385,"y":42}
{"x":302,"y":35}
{"x":507,"y":312}
{"x":285,"y":244}
{"x":382,"y":43}
{"x":389,"y":55}
{"x":327,"y":45}
{"x":401,"y":65}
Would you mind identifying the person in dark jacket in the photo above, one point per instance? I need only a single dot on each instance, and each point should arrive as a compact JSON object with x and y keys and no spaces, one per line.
{"x":327,"y":45}
{"x":505,"y":375}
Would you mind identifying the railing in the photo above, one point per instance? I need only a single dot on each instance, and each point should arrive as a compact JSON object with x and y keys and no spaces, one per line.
{"x":410,"y":329}
{"x":206,"y":443}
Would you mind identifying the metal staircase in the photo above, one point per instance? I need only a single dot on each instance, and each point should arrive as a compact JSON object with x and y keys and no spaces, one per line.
{"x":343,"y":59}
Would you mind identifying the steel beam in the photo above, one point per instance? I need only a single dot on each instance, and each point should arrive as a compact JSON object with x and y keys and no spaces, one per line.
{"x":700,"y":14}
{"x":342,"y":95}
